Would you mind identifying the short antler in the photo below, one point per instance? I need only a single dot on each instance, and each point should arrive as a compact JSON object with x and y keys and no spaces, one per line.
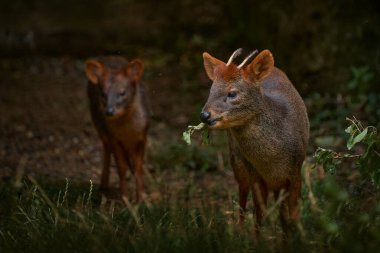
{"x":247,"y":58}
{"x":234,"y":55}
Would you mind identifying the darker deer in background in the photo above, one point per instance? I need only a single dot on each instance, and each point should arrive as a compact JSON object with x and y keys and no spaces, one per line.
{"x":119,"y":111}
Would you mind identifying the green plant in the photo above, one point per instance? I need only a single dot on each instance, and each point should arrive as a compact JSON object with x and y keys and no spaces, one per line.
{"x":348,"y":209}
{"x":186,"y":135}
{"x":361,"y":77}
{"x":367,"y":162}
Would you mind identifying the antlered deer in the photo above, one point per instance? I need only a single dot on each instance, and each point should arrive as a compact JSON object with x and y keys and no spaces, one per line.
{"x":267,"y":126}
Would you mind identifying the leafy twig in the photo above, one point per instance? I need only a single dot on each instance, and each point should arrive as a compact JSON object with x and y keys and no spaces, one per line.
{"x":186,"y":136}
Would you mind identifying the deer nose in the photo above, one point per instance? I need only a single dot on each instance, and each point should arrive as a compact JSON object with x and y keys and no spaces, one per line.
{"x":110,"y":111}
{"x":205,"y":116}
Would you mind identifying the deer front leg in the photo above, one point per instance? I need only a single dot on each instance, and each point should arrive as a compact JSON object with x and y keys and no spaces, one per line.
{"x":137,"y":159}
{"x":242,"y":177}
{"x":122,"y":166}
{"x":104,"y":181}
{"x":242,"y":172}
{"x":289,"y":208}
{"x":243,"y":195}
{"x":260,"y":196}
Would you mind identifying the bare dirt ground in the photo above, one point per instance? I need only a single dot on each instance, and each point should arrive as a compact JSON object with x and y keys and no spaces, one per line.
{"x":46,"y":130}
{"x":44,"y":121}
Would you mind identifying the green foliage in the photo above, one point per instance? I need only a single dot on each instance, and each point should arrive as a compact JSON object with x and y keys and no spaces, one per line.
{"x":328,"y":111}
{"x":339,"y":213}
{"x":327,"y":158}
{"x":41,"y":221}
{"x":360,"y":134}
{"x":348,"y":208}
{"x":361,"y":77}
{"x":368,"y":162}
{"x":60,"y":220}
{"x":186,"y":135}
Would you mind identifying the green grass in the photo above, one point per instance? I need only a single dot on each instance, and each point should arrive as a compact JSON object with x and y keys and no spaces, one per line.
{"x":36,"y":221}
{"x":75,"y":218}
{"x":197,"y":210}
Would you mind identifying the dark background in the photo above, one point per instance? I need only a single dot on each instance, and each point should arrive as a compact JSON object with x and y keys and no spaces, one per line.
{"x":316,"y":43}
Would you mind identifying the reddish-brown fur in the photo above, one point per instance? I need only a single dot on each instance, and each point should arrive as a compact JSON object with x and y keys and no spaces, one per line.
{"x":119,"y":112}
{"x":268,"y":130}
{"x":227,"y":73}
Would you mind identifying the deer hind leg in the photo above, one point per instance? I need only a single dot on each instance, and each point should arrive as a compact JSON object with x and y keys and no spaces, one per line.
{"x":294,"y":197}
{"x":260,"y":197}
{"x":289,"y":208}
{"x":282,"y":195}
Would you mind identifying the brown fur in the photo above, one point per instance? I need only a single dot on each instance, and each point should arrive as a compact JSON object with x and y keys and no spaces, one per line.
{"x":268,"y":131}
{"x":114,"y":83}
{"x":229,"y":73}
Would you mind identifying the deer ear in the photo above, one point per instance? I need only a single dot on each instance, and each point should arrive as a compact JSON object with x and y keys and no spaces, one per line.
{"x":94,"y":70}
{"x":210,"y":64}
{"x":260,"y":67}
{"x":135,"y":69}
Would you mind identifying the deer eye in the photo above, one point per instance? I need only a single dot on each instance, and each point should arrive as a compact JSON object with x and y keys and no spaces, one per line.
{"x":122,"y":93}
{"x":232,"y":94}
